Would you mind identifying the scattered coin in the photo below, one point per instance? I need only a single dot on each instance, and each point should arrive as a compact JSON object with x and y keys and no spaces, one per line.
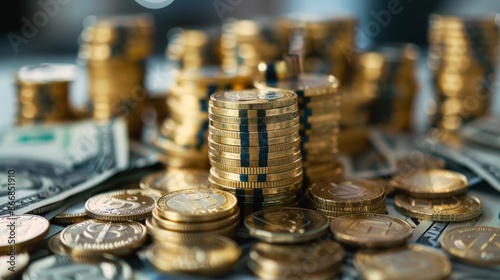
{"x":26,"y":230}
{"x":175,"y":179}
{"x":74,"y":214}
{"x":431,"y":183}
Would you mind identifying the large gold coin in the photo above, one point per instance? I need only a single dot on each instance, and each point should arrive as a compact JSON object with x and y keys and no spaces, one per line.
{"x":412,"y":262}
{"x":90,"y":239}
{"x":196,"y":205}
{"x":259,"y":113}
{"x":286,"y":225}
{"x":254,"y":150}
{"x":431,"y":183}
{"x":13,"y":265}
{"x":196,"y":227}
{"x":452,"y":209}
{"x":174,"y":180}
{"x":121,"y":205}
{"x":257,"y":170}
{"x":257,"y":156}
{"x":24,"y":232}
{"x":254,"y":127}
{"x":214,"y":177}
{"x":204,"y":255}
{"x":478,"y":245}
{"x":371,"y":230}
{"x":255,"y":163}
{"x":253,"y":134}
{"x":267,"y":177}
{"x":253,"y":99}
{"x":258,"y":192}
{"x":347,"y":193}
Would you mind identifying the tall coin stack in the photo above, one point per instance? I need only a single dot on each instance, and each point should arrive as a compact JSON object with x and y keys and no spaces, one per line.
{"x":43,"y":93}
{"x":115,"y":50}
{"x":254,"y":147}
{"x":191,"y":48}
{"x":319,"y":110}
{"x":183,"y":136}
{"x":463,"y":56}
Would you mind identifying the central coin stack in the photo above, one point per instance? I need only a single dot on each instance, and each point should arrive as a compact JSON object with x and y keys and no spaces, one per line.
{"x":254,"y":147}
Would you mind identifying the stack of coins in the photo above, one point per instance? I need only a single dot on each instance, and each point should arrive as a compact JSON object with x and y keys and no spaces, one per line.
{"x":329,"y":43}
{"x":347,"y":197}
{"x":387,"y":74}
{"x":115,"y":50}
{"x":43,"y":93}
{"x":292,"y":237}
{"x":319,"y":105}
{"x":191,"y":48}
{"x":183,"y":136}
{"x":254,"y":147}
{"x":185,"y":214}
{"x":462,"y":55}
{"x":435,"y":195}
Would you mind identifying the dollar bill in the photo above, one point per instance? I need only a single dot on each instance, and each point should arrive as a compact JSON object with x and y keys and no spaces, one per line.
{"x":141,"y":155}
{"x":484,"y":131}
{"x":49,"y":163}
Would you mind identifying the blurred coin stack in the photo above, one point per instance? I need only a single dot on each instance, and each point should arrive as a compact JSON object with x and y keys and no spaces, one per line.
{"x":463,"y":54}
{"x":191,"y":48}
{"x":329,"y":43}
{"x":387,"y":75}
{"x":254,"y":147}
{"x":245,"y":43}
{"x":319,"y":110}
{"x":114,"y":50}
{"x":183,"y":136}
{"x":43,"y":93}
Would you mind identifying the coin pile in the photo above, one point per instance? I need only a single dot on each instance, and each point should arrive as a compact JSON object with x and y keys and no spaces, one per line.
{"x":254,"y":147}
{"x":387,"y":74}
{"x":435,"y":195}
{"x":319,"y":110}
{"x":114,"y":50}
{"x":462,"y":56}
{"x":191,"y":48}
{"x":347,"y":197}
{"x":43,"y":93}
{"x":171,"y":180}
{"x":185,"y":214}
{"x":183,"y":136}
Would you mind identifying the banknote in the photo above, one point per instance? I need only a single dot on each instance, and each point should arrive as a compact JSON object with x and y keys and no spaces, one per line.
{"x":44,"y":164}
{"x":484,"y":131}
{"x":141,"y":155}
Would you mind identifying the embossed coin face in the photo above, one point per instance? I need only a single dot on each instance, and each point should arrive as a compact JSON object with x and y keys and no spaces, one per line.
{"x":431,"y":183}
{"x":371,"y":230}
{"x":93,"y":237}
{"x":196,"y":205}
{"x":412,"y":262}
{"x":104,"y":267}
{"x":121,"y":205}
{"x":347,"y":193}
{"x":205,"y":255}
{"x":13,"y":266}
{"x":286,"y":225}
{"x":175,"y":180}
{"x":27,"y":230}
{"x":456,"y":208}
{"x":478,"y":244}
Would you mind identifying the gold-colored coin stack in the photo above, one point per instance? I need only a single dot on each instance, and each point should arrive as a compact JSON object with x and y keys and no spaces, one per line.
{"x":183,"y":137}
{"x":319,"y":105}
{"x":435,"y":195}
{"x":185,"y":214}
{"x":387,"y":75}
{"x":462,"y":56}
{"x":114,"y":50}
{"x":191,"y":49}
{"x":43,"y":93}
{"x":254,"y":147}
{"x":329,"y":43}
{"x":347,"y":197}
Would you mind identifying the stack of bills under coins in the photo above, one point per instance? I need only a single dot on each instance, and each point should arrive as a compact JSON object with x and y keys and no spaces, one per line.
{"x":191,"y":48}
{"x":463,"y":54}
{"x":387,"y":74}
{"x":115,"y":50}
{"x":319,"y":110}
{"x":43,"y":93}
{"x":183,"y":136}
{"x":435,"y":195}
{"x":254,"y":147}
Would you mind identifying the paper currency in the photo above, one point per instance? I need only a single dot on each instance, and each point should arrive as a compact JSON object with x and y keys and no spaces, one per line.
{"x":48,"y":163}
{"x":485,"y":131}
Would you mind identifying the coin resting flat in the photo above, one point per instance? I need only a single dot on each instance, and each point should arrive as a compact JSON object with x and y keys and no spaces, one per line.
{"x":174,"y":180}
{"x":431,"y":183}
{"x":27,"y":230}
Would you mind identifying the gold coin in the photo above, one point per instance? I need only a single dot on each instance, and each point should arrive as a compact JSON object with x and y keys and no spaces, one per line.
{"x":255,"y":121}
{"x":411,"y":262}
{"x":385,"y":184}
{"x":175,"y":179}
{"x":253,"y":142}
{"x":371,"y":230}
{"x":90,"y":239}
{"x":373,"y":208}
{"x":254,"y":127}
{"x":255,"y":163}
{"x":450,"y":209}
{"x":258,"y":192}
{"x":350,"y":193}
{"x":476,"y":244}
{"x":254,"y":150}
{"x":431,"y":183}
{"x":203,"y":255}
{"x":267,"y":177}
{"x":253,"y":185}
{"x":257,"y":170}
{"x":306,"y":85}
{"x":73,"y":214}
{"x":121,"y":205}
{"x":286,"y":225}
{"x":46,"y":208}
{"x":26,"y":232}
{"x":251,"y":113}
{"x":253,"y":99}
{"x":55,"y":245}
{"x":196,"y":205}
{"x":196,"y":227}
{"x":258,"y":156}
{"x":254,"y":134}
